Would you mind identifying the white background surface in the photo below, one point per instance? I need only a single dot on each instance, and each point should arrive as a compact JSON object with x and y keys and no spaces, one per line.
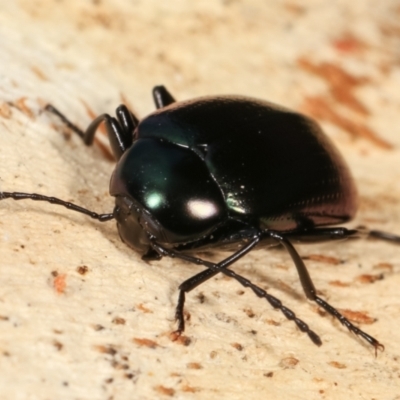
{"x":105,"y":335}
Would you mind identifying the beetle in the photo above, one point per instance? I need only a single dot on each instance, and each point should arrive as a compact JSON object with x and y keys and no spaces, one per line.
{"x":229,"y":173}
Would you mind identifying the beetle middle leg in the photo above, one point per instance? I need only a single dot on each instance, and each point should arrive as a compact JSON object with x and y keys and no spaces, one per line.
{"x":307,"y":284}
{"x":328,"y":234}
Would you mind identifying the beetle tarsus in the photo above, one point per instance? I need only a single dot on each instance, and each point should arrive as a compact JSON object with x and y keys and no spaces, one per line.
{"x":175,"y":335}
{"x":345,"y":322}
{"x":53,"y":110}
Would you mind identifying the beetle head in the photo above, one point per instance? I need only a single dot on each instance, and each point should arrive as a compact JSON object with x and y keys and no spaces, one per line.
{"x":165,"y":192}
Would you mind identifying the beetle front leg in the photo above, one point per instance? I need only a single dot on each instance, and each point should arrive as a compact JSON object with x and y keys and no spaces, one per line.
{"x":199,"y":278}
{"x":222,"y":267}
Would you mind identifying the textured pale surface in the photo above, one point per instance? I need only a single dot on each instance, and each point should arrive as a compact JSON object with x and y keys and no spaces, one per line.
{"x":105,"y":335}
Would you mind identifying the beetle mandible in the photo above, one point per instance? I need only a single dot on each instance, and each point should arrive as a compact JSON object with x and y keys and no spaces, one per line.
{"x":229,"y":173}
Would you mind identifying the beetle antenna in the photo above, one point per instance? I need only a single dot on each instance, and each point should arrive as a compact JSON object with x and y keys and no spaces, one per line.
{"x":55,"y":200}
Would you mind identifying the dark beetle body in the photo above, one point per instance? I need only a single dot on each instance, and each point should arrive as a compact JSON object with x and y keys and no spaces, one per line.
{"x":243,"y":163}
{"x":227,"y":172}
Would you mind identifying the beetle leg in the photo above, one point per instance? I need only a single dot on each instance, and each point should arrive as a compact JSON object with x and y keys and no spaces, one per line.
{"x":203,"y":276}
{"x":162,"y":97}
{"x":311,"y":294}
{"x":222,"y":267}
{"x":188,"y":286}
{"x":119,"y":131}
{"x":126,"y":119}
{"x":319,"y":235}
{"x":65,"y":120}
{"x":390,"y":237}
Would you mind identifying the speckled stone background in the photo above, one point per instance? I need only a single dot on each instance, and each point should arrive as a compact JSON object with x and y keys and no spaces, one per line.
{"x":82,"y":316}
